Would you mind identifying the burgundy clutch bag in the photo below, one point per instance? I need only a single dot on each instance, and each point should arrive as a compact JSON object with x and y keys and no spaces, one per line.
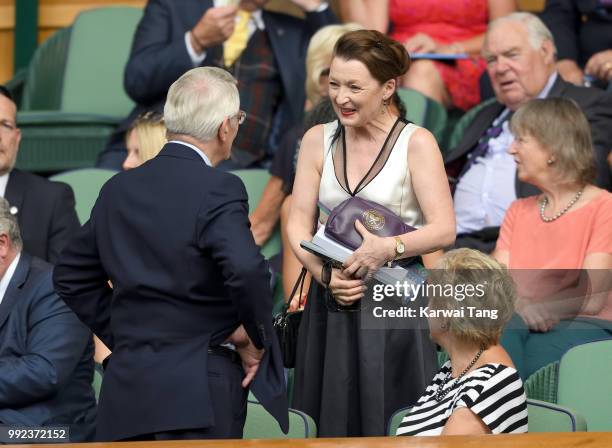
{"x":377,"y":218}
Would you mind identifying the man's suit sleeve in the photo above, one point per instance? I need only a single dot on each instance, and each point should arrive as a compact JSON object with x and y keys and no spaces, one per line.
{"x":563,"y":19}
{"x":599,"y":115}
{"x":317,"y":20}
{"x":223,"y":233}
{"x":55,"y":343}
{"x":81,"y":281}
{"x":64,"y":222}
{"x":156,"y":61}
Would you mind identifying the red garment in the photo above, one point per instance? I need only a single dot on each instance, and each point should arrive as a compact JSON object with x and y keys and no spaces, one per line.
{"x":446,"y":21}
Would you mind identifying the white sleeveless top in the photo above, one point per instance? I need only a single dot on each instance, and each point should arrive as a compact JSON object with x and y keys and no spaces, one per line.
{"x":392,"y":186}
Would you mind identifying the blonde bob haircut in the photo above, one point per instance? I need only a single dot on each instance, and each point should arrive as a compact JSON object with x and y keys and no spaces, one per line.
{"x":150,"y":134}
{"x":199,"y":101}
{"x":560,"y":127}
{"x":319,"y":55}
{"x":485,"y":285}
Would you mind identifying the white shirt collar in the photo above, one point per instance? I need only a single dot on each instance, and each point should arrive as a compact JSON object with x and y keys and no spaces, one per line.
{"x":8,"y":275}
{"x":195,"y":148}
{"x":551,"y":81}
{"x":3,"y":182}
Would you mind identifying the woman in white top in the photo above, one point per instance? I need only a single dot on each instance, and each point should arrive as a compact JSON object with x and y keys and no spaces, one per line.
{"x":478,"y":391}
{"x":348,"y":377}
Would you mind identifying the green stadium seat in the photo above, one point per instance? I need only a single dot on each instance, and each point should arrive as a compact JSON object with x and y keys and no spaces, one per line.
{"x":548,"y":417}
{"x":424,"y":111}
{"x":585,"y":385}
{"x":86,"y":184}
{"x":73,"y":95}
{"x":261,"y":425}
{"x":255,"y":180}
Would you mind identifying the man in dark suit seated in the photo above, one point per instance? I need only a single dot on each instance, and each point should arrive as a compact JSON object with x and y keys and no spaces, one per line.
{"x":44,"y":209}
{"x":520,"y":55}
{"x":583,"y":33}
{"x":46,"y":354}
{"x":264,"y":50}
{"x":188,"y":320}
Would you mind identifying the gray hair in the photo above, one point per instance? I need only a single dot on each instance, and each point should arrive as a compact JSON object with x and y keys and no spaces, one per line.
{"x":9,"y":225}
{"x":537,"y":31}
{"x":199,"y":101}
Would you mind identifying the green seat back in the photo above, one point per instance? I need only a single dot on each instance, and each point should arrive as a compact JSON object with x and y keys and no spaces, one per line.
{"x":43,"y":83}
{"x":255,"y":181}
{"x":542,"y":384}
{"x":261,"y":425}
{"x":396,"y":419}
{"x":435,"y":119}
{"x":416,"y":105}
{"x":463,"y":123}
{"x":424,"y":111}
{"x":86,"y":184}
{"x":585,"y":384}
{"x":99,"y":49}
{"x":548,"y":417}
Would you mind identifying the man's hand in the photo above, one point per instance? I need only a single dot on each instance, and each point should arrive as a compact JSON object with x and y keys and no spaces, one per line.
{"x":214,"y":27}
{"x":249,"y":354}
{"x":600,"y":65}
{"x":537,"y":316}
{"x":570,"y":72}
{"x":307,"y":5}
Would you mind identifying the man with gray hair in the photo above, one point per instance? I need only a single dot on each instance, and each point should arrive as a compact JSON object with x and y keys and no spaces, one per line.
{"x":46,"y":354}
{"x":188,"y":319}
{"x":520,"y":55}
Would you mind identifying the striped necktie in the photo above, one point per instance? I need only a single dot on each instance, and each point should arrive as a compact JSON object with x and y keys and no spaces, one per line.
{"x":482,"y":148}
{"x":235,"y":45}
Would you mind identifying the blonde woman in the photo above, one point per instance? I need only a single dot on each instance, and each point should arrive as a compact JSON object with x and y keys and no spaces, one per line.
{"x":145,"y":139}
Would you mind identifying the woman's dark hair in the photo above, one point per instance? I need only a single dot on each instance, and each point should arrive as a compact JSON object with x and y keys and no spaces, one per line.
{"x":384,"y":57}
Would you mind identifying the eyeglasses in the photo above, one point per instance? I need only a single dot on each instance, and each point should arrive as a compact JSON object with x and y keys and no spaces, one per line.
{"x":241,"y":115}
{"x":7,"y":126}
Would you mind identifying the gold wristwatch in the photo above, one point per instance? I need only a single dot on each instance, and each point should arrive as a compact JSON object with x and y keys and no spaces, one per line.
{"x":400,"y":248}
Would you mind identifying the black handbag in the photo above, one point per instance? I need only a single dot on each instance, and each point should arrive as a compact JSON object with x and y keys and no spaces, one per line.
{"x":287,"y":324}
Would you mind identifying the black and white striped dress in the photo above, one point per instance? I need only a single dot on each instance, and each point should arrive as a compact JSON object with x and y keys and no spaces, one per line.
{"x":494,"y":392}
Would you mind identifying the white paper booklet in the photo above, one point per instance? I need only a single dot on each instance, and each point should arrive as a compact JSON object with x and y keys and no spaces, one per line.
{"x":327,"y":248}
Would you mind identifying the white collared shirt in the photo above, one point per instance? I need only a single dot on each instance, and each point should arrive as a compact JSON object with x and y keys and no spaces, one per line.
{"x":196,"y":149}
{"x":255,"y":23}
{"x":8,"y":275}
{"x":486,"y":190}
{"x":3,"y":182}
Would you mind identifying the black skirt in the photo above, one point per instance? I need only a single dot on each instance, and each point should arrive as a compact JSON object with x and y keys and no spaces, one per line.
{"x":351,"y":379}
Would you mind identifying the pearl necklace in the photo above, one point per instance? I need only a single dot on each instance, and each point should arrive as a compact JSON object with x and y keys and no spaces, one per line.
{"x":441,"y":393}
{"x":562,"y":212}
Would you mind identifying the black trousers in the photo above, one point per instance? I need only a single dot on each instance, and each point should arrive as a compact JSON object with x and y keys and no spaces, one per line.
{"x":229,"y":402}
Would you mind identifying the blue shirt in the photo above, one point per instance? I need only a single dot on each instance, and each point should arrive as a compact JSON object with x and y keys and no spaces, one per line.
{"x":486,"y":190}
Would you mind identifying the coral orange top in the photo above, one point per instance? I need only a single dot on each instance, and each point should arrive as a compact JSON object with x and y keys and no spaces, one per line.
{"x":561,"y":244}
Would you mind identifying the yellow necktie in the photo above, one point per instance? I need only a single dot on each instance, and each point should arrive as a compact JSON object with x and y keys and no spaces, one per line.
{"x":234,"y":46}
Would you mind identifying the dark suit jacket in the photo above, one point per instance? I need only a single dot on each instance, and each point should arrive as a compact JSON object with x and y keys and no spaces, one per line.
{"x":581,"y":28}
{"x":46,"y":356}
{"x":173,"y":236}
{"x":45,"y":211}
{"x":597,"y":106}
{"x":159,"y":57}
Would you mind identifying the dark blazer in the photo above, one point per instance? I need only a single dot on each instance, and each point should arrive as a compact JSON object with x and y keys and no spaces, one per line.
{"x":45,"y":212}
{"x":581,"y":28}
{"x":173,"y":237}
{"x":159,"y":57}
{"x":597,"y":106}
{"x":46,"y":356}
